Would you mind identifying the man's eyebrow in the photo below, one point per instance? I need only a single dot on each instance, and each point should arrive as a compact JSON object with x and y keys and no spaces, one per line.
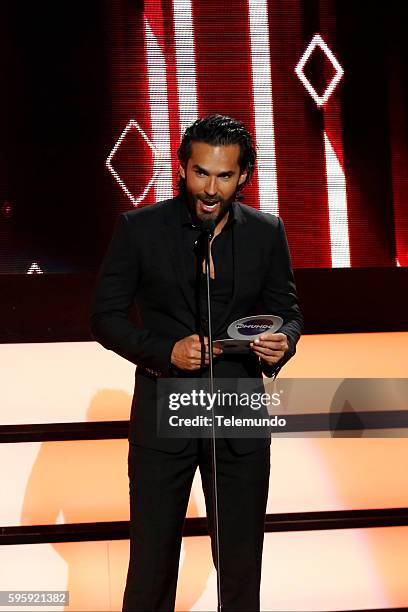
{"x":197,"y":167}
{"x":204,"y":171}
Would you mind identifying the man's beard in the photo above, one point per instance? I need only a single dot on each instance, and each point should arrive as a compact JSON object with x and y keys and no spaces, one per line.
{"x":196,"y":204}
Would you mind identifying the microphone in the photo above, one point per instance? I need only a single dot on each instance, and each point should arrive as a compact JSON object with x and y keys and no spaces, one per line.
{"x":202,"y":248}
{"x":208,"y":227}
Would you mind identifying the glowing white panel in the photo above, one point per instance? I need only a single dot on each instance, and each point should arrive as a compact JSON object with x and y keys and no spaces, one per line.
{"x":159,"y":114}
{"x":322,"y":563}
{"x":332,"y":570}
{"x":337,"y":199}
{"x":263,"y":106}
{"x":317,"y":41}
{"x":32,"y":567}
{"x":101,"y":383}
{"x":67,"y":481}
{"x":185,"y":62}
{"x":82,"y":568}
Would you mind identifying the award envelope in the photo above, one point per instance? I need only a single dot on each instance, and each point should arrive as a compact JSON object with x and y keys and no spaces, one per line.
{"x":243,"y":331}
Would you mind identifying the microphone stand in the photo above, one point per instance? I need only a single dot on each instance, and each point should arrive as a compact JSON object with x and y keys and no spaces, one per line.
{"x":209,"y":230}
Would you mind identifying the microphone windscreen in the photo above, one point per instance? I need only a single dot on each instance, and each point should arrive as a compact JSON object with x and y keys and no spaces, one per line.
{"x":208,"y":226}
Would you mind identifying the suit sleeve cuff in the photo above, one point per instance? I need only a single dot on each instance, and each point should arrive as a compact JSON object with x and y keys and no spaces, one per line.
{"x":271,"y":371}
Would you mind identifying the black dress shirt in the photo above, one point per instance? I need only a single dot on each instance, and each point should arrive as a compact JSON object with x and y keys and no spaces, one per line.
{"x":221,"y":286}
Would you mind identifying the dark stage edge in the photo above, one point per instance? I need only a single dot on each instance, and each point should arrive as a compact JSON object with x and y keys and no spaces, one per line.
{"x":293,"y":521}
{"x":334,"y":423}
{"x":56,"y":307}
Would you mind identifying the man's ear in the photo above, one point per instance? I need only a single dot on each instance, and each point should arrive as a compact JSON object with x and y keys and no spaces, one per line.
{"x":243,"y":177}
{"x":182,"y":172}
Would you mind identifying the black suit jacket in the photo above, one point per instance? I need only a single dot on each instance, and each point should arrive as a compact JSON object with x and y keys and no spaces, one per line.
{"x":144,"y":266}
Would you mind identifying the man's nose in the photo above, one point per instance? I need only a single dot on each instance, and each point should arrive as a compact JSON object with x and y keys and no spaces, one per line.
{"x":211,"y":186}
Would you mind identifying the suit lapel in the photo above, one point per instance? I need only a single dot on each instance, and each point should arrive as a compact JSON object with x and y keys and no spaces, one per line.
{"x":172,"y":236}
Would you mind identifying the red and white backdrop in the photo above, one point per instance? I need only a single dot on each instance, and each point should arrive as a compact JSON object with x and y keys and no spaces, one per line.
{"x":280,"y":68}
{"x":94,"y":106}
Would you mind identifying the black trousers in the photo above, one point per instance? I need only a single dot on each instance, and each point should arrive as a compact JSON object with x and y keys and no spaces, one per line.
{"x":160,"y":485}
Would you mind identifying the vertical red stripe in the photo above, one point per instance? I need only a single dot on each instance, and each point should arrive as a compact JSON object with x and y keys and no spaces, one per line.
{"x":399,"y":156}
{"x":332,"y":110}
{"x":223,"y":59}
{"x":172,"y":90}
{"x":130,"y":100}
{"x":299,"y":142}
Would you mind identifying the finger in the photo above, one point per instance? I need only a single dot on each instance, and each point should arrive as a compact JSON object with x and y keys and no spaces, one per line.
{"x":264,"y":346}
{"x":270,"y":359}
{"x":201,"y":355}
{"x":200,"y":358}
{"x":206,"y":359}
{"x":262,"y":351}
{"x":204,"y":340}
{"x":201,"y":350}
{"x":198,"y":363}
{"x":280,"y":339}
{"x":270,"y":336}
{"x":217,"y":350}
{"x":199,"y":345}
{"x":272,"y":344}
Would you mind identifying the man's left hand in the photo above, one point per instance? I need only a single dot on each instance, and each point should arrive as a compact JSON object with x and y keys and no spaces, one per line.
{"x":270,"y":347}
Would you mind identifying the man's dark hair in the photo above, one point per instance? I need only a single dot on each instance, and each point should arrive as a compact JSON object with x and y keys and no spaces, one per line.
{"x":219,"y":130}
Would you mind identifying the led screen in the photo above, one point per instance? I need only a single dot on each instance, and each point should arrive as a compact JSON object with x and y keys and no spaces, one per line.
{"x":94,"y":105}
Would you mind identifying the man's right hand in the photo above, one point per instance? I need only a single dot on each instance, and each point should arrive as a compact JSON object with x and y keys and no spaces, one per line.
{"x":191,"y":353}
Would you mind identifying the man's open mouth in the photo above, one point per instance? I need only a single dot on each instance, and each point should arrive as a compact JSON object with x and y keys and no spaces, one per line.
{"x":208,"y":206}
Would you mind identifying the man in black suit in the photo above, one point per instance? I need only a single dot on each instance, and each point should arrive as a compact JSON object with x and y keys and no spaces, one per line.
{"x":154,"y":261}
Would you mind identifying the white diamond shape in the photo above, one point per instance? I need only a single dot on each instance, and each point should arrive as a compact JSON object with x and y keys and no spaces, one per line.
{"x":317,"y":41}
{"x":157,"y":155}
